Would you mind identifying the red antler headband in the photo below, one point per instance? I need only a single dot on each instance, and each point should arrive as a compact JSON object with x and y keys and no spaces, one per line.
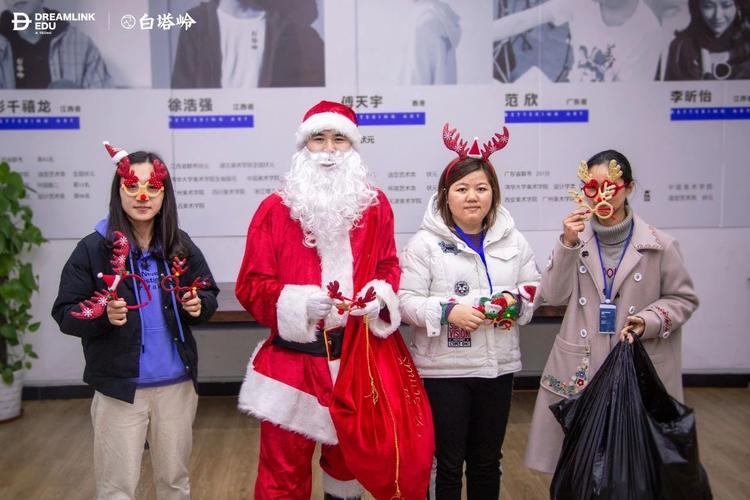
{"x":453,"y":141}
{"x":120,"y":158}
{"x":95,"y":306}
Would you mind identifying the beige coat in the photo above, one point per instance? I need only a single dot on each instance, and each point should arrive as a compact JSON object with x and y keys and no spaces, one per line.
{"x":651,"y":282}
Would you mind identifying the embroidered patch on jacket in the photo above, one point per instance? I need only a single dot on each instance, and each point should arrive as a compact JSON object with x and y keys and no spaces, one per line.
{"x":458,"y":337}
{"x":448,"y":247}
{"x":461,"y":288}
{"x":576,"y":384}
{"x":666,"y":320}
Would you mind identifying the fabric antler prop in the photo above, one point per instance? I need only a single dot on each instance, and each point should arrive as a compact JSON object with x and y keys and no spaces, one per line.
{"x":97,"y":304}
{"x":452,"y":140}
{"x":171,"y":282}
{"x":346,"y":304}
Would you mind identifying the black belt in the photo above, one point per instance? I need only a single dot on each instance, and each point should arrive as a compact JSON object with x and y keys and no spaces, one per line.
{"x":327,"y":344}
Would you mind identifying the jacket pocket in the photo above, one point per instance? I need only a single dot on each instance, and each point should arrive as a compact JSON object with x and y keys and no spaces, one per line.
{"x":504,"y":266}
{"x":567,"y":370}
{"x":503,"y":253}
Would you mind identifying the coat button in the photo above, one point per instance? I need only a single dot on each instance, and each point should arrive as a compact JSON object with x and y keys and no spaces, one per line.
{"x":631,"y":309}
{"x":665,"y":335}
{"x":582,"y":301}
{"x":582,"y":269}
{"x":584,"y":333}
{"x":637,"y":277}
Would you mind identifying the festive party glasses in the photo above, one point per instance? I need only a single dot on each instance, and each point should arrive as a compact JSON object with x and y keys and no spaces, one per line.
{"x":591,"y":188}
{"x":142,"y":191}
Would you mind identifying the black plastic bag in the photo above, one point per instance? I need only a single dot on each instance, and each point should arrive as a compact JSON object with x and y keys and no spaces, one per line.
{"x":626,"y":438}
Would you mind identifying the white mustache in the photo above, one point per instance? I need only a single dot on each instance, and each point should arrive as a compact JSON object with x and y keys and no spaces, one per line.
{"x":327,"y":159}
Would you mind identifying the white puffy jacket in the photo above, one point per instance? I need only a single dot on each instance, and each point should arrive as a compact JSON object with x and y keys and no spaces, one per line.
{"x":438,"y":266}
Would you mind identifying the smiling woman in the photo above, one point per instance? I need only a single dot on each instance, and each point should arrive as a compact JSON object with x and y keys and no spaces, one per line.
{"x":141,"y":357}
{"x":469,"y":278}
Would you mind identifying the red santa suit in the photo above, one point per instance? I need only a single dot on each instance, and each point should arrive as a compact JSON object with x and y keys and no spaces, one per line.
{"x":278,"y":273}
{"x":290,"y":389}
{"x":371,"y":399}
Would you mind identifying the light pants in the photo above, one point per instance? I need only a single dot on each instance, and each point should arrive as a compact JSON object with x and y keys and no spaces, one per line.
{"x":165,"y":416}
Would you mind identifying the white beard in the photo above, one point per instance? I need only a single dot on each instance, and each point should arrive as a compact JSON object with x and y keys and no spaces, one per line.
{"x":327,"y":201}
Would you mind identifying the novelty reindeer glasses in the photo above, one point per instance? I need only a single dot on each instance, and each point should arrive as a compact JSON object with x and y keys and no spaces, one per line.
{"x":598,"y":194}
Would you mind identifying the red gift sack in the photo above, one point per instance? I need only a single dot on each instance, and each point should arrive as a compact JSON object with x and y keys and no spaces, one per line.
{"x":379,"y":407}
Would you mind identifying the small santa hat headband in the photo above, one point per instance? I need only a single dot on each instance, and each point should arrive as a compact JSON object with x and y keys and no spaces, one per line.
{"x":453,"y":141}
{"x":120,"y":158}
{"x":327,"y":115}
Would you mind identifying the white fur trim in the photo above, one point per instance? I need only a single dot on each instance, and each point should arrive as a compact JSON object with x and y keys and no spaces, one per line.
{"x":291,"y":313}
{"x":117,"y":156}
{"x":328,"y":121}
{"x":336,"y":264}
{"x":389,"y":300}
{"x":268,"y":399}
{"x":333,"y":367}
{"x":342,"y":489}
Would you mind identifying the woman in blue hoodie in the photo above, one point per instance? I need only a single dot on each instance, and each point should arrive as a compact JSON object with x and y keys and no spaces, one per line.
{"x":141,"y":357}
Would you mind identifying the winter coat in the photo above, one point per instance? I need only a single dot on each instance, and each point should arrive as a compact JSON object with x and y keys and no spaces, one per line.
{"x":112,"y":352}
{"x":438,"y":267}
{"x":651,"y":282}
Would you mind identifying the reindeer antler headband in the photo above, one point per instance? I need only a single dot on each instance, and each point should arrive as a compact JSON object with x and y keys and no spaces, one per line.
{"x":453,"y":141}
{"x":120,"y":158}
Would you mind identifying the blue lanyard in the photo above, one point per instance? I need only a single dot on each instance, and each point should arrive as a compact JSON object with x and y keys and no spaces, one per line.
{"x":479,"y":250}
{"x":607,"y":290}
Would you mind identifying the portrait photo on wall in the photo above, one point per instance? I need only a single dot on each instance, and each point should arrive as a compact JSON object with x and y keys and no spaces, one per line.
{"x":427,"y":42}
{"x":248,"y":44}
{"x":60,"y":54}
{"x":46,"y":51}
{"x":545,"y":47}
{"x":715,"y":45}
{"x":582,"y":40}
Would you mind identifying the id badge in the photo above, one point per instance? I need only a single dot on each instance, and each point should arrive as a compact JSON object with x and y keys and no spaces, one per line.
{"x":607,"y":314}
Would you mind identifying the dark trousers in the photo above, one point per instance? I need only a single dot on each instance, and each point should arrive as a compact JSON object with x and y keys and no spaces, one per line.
{"x":470,"y":416}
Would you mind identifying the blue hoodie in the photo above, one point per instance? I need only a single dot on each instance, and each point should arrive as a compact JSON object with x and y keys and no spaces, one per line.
{"x":159,"y":363}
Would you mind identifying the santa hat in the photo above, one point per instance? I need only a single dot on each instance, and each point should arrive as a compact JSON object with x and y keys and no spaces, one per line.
{"x":115,"y":153}
{"x":327,"y":115}
{"x":111,"y":280}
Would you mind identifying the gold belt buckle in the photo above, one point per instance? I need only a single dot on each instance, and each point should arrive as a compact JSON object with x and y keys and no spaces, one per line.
{"x":328,"y":347}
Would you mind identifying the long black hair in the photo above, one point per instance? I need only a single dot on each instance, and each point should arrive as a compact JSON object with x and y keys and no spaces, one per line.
{"x":165,"y":241}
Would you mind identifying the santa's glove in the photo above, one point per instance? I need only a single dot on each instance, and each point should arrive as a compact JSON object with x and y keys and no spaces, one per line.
{"x":318,"y":305}
{"x":371,"y":310}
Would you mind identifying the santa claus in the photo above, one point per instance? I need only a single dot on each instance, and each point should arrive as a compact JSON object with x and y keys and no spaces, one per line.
{"x":327,"y":224}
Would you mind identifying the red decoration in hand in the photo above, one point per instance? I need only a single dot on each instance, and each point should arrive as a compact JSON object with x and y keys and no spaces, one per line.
{"x":97,"y":304}
{"x":346,"y":303}
{"x":178,"y":268}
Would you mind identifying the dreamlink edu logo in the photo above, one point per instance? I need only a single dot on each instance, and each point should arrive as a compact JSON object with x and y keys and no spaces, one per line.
{"x":46,"y":22}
